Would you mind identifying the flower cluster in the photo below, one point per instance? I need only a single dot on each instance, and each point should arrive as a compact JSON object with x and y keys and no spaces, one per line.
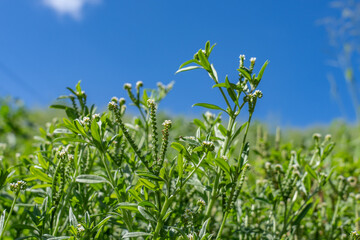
{"x":208,"y":146}
{"x":19,"y":185}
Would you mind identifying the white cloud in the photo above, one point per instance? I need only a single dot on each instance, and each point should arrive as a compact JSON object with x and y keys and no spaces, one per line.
{"x":72,"y":8}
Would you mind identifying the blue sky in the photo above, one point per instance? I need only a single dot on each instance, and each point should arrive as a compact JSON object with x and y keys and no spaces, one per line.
{"x":47,"y":45}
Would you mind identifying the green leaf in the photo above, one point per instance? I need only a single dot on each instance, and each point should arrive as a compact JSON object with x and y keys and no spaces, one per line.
{"x":78,"y":87}
{"x":212,"y":47}
{"x":220,"y":85}
{"x":147,"y":183}
{"x":187,"y":69}
{"x":135,"y":195}
{"x":188,"y":62}
{"x":58,"y":106}
{"x":222,"y":130}
{"x":245,"y":73}
{"x":203,"y":60}
{"x":42,"y":162}
{"x":86,"y":178}
{"x":71,"y":113}
{"x":40,"y":175}
{"x":307,"y":183}
{"x":178,"y":147}
{"x":62,"y":130}
{"x":230,"y":91}
{"x":149,"y":175}
{"x":136,"y":234}
{"x":41,"y":186}
{"x":145,"y":98}
{"x":215,"y":73}
{"x":101,"y":223}
{"x":23,"y":227}
{"x":208,"y":105}
{"x":95,"y":132}
{"x":199,"y":123}
{"x":146,"y":214}
{"x":203,"y":228}
{"x":147,"y":204}
{"x":70,"y":139}
{"x":2,"y":221}
{"x":69,"y":125}
{"x":261,"y":72}
{"x":4,"y":173}
{"x":58,"y":238}
{"x":302,"y":214}
{"x":167,"y":214}
{"x":239,"y":130}
{"x":198,"y":149}
{"x":80,"y":127}
{"x":207,"y":47}
{"x":72,"y":218}
{"x":311,"y":172}
{"x":180,"y":163}
{"x":129,"y":206}
{"x":224,"y":165}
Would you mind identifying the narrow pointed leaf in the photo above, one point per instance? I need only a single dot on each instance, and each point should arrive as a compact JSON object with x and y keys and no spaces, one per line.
{"x":86,"y":178}
{"x":261,"y":72}
{"x":208,"y":105}
{"x":187,"y":69}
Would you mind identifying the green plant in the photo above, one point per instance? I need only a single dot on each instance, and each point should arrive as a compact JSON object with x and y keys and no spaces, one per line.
{"x":104,"y":175}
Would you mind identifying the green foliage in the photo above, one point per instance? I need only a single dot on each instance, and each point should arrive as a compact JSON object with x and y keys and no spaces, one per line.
{"x":100,"y":176}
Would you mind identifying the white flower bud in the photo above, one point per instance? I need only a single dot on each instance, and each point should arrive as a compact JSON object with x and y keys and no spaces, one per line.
{"x":127,"y":86}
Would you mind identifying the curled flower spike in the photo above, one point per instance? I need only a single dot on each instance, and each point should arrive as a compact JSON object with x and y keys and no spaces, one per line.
{"x":80,"y":228}
{"x":114,"y":99}
{"x":209,"y":116}
{"x":112,"y":106}
{"x":19,"y":185}
{"x":127,"y":86}
{"x":352,"y":181}
{"x":86,"y":120}
{"x":241,"y":60}
{"x":208,"y":146}
{"x":267,"y":165}
{"x":278,"y":168}
{"x":96,"y":117}
{"x":165,"y":142}
{"x":317,"y":136}
{"x":62,"y":154}
{"x":252,"y":63}
{"x":201,"y":203}
{"x":258,"y":94}
{"x":139,"y":84}
{"x":151,"y":102}
{"x":154,"y":136}
{"x":190,"y":236}
{"x":167,"y":123}
{"x":122,"y":101}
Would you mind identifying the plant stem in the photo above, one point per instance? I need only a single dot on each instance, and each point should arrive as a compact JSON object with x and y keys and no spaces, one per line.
{"x":11,"y":210}
{"x":214,"y":191}
{"x":285,"y":219}
{"x":233,"y":188}
{"x":333,"y":221}
{"x":222,"y":225}
{"x":67,"y":195}
{"x":160,"y":222}
{"x":113,"y":184}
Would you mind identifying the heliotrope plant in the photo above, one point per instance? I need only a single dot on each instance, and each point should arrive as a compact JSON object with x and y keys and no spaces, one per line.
{"x":102,"y":175}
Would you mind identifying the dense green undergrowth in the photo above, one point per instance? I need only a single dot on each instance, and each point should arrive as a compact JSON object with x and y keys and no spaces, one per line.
{"x":104,"y":175}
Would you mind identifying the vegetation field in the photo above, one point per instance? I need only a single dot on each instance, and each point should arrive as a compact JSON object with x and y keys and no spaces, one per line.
{"x":108,"y":175}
